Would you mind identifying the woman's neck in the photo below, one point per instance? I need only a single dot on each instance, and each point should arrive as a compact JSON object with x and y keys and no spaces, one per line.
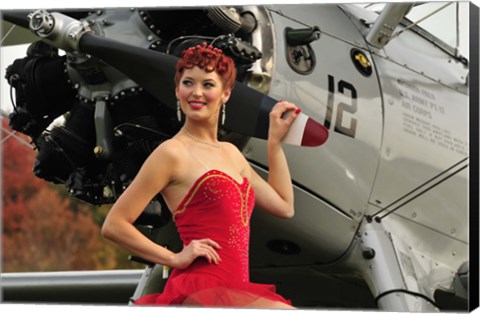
{"x":205,"y":132}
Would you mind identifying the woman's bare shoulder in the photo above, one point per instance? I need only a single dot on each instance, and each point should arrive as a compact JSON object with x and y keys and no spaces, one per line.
{"x":170,"y":151}
{"x":234,"y":153}
{"x":232,"y":149}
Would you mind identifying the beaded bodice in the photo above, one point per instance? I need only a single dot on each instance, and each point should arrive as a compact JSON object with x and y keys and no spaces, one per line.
{"x":218,"y":207}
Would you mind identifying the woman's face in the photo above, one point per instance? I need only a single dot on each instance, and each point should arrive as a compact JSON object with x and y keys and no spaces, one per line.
{"x":201,"y":94}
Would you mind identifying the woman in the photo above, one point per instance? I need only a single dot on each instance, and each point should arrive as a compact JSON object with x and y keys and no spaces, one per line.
{"x":211,"y":190}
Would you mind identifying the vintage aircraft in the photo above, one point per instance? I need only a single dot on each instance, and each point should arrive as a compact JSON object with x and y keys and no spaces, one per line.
{"x":382,"y":207}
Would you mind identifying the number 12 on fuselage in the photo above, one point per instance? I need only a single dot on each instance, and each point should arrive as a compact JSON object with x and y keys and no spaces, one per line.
{"x":346,"y":127}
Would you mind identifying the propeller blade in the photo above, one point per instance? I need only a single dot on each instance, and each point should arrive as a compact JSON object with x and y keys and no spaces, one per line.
{"x":248,"y":109}
{"x":248,"y":113}
{"x":19,"y":18}
{"x":152,"y":70}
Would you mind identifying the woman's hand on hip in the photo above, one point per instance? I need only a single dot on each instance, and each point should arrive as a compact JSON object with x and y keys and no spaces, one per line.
{"x":206,"y":248}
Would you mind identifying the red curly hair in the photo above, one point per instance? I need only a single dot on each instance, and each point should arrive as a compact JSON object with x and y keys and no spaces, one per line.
{"x":208,"y":59}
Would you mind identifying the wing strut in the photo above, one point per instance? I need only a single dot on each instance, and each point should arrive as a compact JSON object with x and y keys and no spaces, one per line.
{"x":381,"y":32}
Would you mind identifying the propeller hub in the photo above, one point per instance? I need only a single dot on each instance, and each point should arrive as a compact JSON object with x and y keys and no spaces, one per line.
{"x":41,"y":22}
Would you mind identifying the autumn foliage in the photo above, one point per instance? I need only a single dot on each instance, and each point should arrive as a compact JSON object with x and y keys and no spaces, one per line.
{"x":43,"y":230}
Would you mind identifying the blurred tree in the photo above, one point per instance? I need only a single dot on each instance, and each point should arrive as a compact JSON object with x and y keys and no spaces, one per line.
{"x":41,"y":232}
{"x":53,"y":237}
{"x":18,"y":182}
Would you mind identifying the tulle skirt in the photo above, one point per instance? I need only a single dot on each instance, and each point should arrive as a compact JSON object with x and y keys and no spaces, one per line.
{"x":191,"y":289}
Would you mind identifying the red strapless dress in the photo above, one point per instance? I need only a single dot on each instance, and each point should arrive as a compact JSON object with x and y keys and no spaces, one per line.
{"x":216,"y":207}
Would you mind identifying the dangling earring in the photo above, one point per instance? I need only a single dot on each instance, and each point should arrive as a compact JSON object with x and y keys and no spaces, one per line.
{"x":179,"y":112}
{"x":223,"y":114}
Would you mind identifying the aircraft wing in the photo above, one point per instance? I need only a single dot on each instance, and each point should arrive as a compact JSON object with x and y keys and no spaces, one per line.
{"x":70,"y":287}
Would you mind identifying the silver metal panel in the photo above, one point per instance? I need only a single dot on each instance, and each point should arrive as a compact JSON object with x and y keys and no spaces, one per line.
{"x":445,"y":210}
{"x":314,"y":228}
{"x":314,"y":167}
{"x":425,"y":135}
{"x":343,"y":180}
{"x":426,"y":267}
{"x":413,"y":52}
{"x":376,"y":257}
{"x":329,"y":17}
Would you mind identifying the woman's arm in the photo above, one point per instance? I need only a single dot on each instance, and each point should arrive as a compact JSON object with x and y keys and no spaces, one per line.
{"x":155,"y":174}
{"x":276,"y":196}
